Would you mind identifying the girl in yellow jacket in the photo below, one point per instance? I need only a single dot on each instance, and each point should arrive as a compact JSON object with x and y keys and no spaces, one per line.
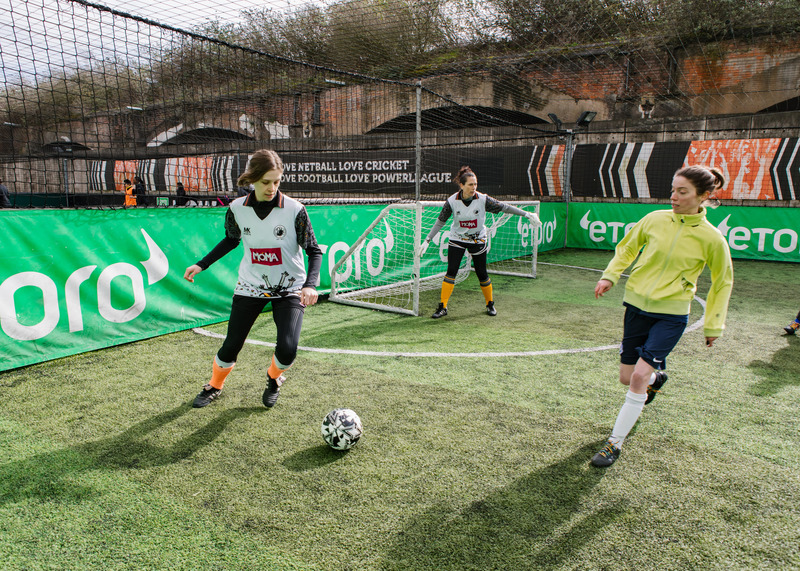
{"x":675,"y":246}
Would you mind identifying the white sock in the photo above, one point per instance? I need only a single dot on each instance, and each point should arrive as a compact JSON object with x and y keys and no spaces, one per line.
{"x":627,"y":417}
{"x":652,"y":378}
{"x":223,"y":364}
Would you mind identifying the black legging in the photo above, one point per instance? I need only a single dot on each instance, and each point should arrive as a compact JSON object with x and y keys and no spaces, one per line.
{"x":287,"y":313}
{"x":455,"y":253}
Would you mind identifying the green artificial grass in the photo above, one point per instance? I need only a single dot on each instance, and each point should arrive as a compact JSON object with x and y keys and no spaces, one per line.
{"x":465,"y":463}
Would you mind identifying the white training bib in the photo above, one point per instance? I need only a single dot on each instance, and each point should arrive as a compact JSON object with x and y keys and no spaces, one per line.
{"x":273,"y":264}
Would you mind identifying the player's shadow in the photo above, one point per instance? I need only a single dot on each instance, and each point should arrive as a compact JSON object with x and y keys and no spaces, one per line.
{"x":313,"y":457}
{"x":534,"y":523}
{"x":781,"y":371}
{"x":49,"y":475}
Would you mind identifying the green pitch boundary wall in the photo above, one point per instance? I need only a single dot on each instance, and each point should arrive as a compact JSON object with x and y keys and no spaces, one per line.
{"x":78,"y":280}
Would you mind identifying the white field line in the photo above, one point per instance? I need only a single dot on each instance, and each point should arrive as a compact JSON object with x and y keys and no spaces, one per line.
{"x":696,"y":325}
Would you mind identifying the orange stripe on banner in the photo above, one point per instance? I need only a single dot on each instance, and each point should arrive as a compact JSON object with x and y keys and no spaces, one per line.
{"x":745,"y":164}
{"x":195,"y":173}
{"x":123,"y":170}
{"x":557,"y":186}
{"x":538,"y":175}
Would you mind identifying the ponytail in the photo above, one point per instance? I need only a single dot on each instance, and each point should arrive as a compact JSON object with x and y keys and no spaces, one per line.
{"x":463,"y":174}
{"x":705,"y":180}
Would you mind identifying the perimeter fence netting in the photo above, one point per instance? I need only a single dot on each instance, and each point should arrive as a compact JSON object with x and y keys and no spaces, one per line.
{"x":374,"y":100}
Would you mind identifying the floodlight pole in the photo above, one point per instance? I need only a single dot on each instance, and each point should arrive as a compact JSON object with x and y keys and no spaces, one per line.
{"x":568,"y":153}
{"x":569,"y":150}
{"x":566,"y":189}
{"x":65,"y":163}
{"x":418,"y":172}
{"x":418,"y":206}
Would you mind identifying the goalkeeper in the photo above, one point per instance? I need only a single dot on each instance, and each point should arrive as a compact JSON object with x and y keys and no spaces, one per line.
{"x":468,"y":234}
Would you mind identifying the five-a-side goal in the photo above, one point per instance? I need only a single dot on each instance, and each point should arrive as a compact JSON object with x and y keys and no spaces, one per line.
{"x":385,"y":269}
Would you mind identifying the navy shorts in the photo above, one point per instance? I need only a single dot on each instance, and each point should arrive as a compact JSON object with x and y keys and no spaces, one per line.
{"x":650,"y":336}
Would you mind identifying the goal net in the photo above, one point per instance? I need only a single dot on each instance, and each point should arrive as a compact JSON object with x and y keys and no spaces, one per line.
{"x":384,"y":269}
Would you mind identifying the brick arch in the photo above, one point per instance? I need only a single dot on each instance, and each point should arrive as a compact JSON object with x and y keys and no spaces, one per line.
{"x":781,"y":100}
{"x":196,"y":130}
{"x":381,"y":107}
{"x":738,"y":90}
{"x":791,"y":104}
{"x":457,"y":117}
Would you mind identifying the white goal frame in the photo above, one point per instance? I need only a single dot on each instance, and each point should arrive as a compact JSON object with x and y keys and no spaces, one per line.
{"x":411,"y":258}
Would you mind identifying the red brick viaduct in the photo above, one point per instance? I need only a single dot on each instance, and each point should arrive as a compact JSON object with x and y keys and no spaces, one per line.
{"x":642,"y":87}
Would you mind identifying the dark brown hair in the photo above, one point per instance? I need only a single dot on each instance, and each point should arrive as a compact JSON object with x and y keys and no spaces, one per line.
{"x":260,"y":163}
{"x":463,"y":174}
{"x":704,"y":179}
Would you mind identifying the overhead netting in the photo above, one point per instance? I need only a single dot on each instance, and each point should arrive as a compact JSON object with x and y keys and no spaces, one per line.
{"x":366,"y":99}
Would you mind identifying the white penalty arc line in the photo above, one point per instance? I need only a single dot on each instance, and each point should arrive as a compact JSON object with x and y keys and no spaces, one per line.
{"x":696,"y":325}
{"x":201,"y":331}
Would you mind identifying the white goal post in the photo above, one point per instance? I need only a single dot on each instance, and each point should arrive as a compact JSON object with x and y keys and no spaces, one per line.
{"x":384,"y":269}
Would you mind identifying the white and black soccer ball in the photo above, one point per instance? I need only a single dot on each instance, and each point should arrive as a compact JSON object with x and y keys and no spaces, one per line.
{"x":341,"y":429}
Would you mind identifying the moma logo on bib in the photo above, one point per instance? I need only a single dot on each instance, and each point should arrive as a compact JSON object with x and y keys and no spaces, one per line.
{"x":266,"y":256}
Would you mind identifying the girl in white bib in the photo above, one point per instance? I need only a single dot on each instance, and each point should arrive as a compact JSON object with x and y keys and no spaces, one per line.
{"x":275,"y":231}
{"x":468,"y":233}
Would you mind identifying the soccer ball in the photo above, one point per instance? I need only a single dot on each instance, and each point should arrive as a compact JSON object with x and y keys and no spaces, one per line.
{"x":341,"y":429}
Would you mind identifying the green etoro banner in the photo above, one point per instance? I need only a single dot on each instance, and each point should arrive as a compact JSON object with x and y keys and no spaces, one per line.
{"x":78,"y":280}
{"x":754,"y":233}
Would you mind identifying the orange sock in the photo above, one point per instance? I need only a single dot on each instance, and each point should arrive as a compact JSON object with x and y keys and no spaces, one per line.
{"x":486,"y":288}
{"x":448,"y":285}
{"x":219,"y":374}
{"x":274,"y":371}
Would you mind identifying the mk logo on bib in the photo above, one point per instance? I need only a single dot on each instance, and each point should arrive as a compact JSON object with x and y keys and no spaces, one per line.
{"x":266,"y":256}
{"x":469,"y":223}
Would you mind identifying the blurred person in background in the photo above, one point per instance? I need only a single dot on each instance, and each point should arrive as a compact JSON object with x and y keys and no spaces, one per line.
{"x":140,"y":191}
{"x":180,"y":194}
{"x":5,"y":197}
{"x":130,"y":197}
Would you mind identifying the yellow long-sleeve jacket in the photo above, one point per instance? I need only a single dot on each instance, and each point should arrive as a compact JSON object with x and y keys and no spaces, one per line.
{"x":674,"y":250}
